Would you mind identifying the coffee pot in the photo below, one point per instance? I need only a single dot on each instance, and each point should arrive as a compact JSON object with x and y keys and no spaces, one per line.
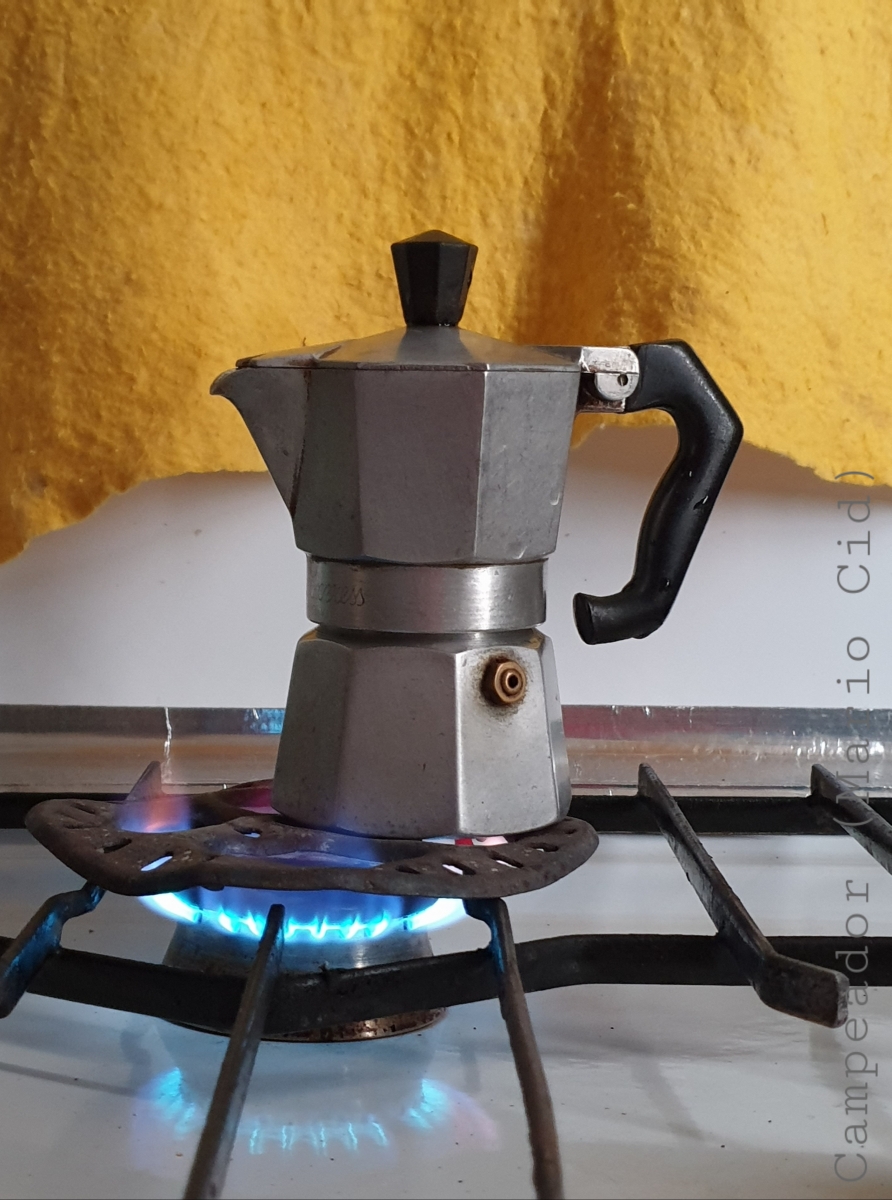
{"x":424,"y":471}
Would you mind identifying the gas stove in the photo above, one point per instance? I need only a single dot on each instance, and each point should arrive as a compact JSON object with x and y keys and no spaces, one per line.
{"x":637,"y":1004}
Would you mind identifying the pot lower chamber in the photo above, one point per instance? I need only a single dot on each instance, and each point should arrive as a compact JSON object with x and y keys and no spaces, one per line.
{"x":425,"y":704}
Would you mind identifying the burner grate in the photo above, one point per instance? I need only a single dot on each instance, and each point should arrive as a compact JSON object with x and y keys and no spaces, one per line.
{"x":794,"y":975}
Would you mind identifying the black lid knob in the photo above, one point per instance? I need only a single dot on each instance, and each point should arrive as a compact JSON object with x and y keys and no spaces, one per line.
{"x":433,"y":272}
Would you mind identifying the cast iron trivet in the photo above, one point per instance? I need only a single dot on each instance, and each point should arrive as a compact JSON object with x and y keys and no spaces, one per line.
{"x":234,"y":848}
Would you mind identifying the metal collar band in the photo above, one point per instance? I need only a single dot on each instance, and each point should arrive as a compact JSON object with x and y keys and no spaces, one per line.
{"x":393,"y":598}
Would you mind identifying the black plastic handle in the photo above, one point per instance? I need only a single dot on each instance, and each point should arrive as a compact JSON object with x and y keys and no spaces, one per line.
{"x":709,"y":432}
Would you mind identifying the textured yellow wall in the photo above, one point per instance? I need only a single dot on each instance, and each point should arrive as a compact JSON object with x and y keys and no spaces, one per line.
{"x":185,"y":181}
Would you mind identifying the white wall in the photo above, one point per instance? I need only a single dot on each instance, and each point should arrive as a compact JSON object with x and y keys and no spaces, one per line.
{"x":189,"y":591}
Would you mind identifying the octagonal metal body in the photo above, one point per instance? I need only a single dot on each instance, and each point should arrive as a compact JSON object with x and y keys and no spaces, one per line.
{"x":394,"y":736}
{"x":415,"y":446}
{"x":433,"y":466}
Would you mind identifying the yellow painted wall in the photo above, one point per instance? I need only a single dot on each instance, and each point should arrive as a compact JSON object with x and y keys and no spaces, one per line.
{"x":186,"y":181}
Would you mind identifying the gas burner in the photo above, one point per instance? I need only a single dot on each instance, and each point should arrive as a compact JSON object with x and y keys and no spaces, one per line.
{"x":216,"y":954}
{"x":235,"y":848}
{"x":217,"y":934}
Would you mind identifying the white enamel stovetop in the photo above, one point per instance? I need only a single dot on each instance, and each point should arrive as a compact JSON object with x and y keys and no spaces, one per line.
{"x":669,"y":1092}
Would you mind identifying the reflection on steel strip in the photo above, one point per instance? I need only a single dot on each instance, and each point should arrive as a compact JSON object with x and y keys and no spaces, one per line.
{"x":46,"y":748}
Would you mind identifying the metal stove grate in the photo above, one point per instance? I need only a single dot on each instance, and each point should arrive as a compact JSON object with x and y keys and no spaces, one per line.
{"x":794,"y":975}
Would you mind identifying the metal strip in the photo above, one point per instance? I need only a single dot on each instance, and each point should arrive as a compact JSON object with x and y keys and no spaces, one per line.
{"x":547,"y":1173}
{"x":26,"y":954}
{"x":72,"y":750}
{"x":797,"y":988}
{"x":395,"y":598}
{"x":214,"y":1151}
{"x":759,"y":750}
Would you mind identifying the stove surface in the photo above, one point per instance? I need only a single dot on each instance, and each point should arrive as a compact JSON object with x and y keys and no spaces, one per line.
{"x":659,"y":1091}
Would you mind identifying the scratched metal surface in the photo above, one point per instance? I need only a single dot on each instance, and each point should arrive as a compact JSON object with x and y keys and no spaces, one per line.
{"x":45,"y":748}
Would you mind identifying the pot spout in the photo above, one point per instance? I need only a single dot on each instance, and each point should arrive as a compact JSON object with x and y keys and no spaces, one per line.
{"x":272,"y":402}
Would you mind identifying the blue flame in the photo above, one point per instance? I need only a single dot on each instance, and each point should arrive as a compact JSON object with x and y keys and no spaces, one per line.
{"x":355,"y":927}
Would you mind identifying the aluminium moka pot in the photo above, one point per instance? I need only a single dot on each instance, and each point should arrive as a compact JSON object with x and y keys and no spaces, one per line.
{"x":424,"y":471}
